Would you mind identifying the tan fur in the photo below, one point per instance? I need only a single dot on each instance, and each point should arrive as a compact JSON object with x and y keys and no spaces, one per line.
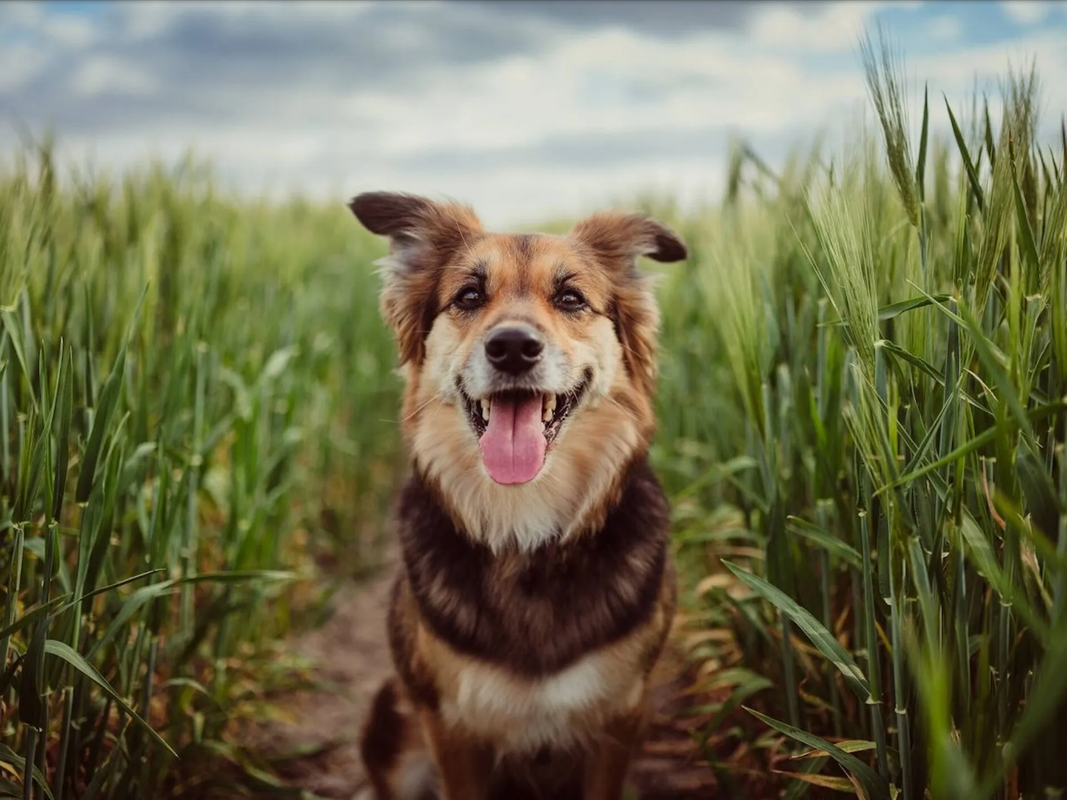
{"x":474,"y":714}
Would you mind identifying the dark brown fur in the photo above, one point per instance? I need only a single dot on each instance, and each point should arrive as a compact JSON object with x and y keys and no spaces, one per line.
{"x":536,"y":613}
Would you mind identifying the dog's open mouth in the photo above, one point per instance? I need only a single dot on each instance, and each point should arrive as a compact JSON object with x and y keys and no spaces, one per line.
{"x":515,"y":428}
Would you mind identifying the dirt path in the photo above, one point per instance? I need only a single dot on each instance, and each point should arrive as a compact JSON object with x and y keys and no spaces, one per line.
{"x":351,"y":655}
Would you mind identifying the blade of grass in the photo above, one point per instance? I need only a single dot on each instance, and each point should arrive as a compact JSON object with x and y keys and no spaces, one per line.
{"x":873,"y":784}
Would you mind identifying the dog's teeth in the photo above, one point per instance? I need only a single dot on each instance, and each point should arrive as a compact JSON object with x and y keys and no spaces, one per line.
{"x":549,"y":408}
{"x":485,"y":410}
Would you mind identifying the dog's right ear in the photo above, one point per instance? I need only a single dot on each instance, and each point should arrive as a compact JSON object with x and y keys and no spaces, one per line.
{"x":423,"y":237}
{"x":391,"y":213}
{"x":415,"y":223}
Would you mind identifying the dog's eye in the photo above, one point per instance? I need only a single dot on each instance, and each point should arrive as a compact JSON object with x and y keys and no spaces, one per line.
{"x":469,"y":298}
{"x":570,"y":300}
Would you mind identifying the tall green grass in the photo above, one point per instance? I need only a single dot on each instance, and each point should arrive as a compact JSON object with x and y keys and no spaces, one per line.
{"x":196,"y":401}
{"x":864,"y":414}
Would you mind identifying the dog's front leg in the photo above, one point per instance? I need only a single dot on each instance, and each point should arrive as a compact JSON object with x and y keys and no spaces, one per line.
{"x":464,"y":764}
{"x":608,"y":761}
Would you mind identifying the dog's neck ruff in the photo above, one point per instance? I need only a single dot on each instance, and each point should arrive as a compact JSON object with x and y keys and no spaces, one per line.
{"x":570,"y":497}
{"x":537,"y":611}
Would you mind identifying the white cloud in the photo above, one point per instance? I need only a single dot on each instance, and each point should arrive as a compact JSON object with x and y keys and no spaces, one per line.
{"x":650,"y":85}
{"x":22,"y":12}
{"x":955,"y":73}
{"x":20,"y":62}
{"x":837,"y":26}
{"x":100,"y":73}
{"x":1028,"y":12}
{"x":69,"y":31}
{"x":945,"y":29}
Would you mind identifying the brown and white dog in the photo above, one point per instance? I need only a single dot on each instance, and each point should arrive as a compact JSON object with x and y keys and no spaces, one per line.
{"x":537,"y":588}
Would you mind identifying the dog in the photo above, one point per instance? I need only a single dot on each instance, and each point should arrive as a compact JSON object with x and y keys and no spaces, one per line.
{"x":537,"y":588}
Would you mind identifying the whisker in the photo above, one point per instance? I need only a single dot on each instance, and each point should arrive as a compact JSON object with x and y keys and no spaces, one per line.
{"x":409,"y":416}
{"x":417,"y":410}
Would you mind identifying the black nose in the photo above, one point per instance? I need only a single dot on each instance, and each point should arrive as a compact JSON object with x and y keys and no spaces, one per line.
{"x":514,"y":349}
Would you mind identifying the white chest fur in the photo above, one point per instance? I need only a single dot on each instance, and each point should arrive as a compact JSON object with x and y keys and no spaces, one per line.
{"x":521,"y":714}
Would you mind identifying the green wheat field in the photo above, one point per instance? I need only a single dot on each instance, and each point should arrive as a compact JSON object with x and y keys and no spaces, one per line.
{"x":863,"y":416}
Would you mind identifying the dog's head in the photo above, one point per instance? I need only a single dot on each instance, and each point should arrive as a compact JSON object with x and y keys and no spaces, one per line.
{"x":528,"y":356}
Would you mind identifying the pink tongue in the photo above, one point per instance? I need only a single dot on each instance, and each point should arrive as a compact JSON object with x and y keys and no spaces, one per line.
{"x":513,"y":445}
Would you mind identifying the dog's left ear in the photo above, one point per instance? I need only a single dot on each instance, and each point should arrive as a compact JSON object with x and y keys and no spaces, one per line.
{"x":424,"y":236}
{"x":618,"y":238}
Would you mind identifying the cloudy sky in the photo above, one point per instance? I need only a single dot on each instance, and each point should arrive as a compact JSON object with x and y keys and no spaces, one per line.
{"x":524,"y":109}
